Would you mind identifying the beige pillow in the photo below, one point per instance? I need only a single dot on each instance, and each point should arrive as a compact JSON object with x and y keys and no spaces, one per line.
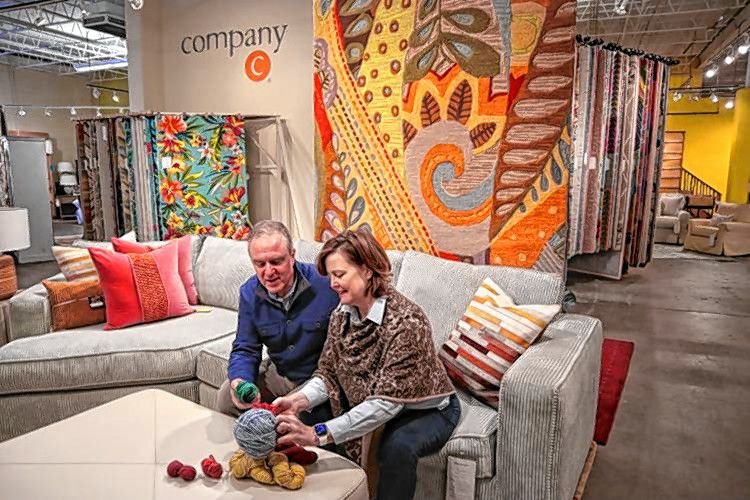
{"x":670,"y":205}
{"x":75,"y":263}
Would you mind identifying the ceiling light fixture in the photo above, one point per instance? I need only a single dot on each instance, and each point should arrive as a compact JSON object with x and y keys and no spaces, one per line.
{"x":98,"y":112}
{"x":95,"y":92}
{"x":711,"y":72}
{"x":136,"y":4}
{"x":21,"y":112}
{"x":676,"y":96}
{"x":729,"y":59}
{"x":73,"y":111}
{"x":714,"y":98}
{"x":744,"y":46}
{"x":115,"y":97}
{"x":82,"y":68}
{"x":47,"y":112}
{"x":122,"y":111}
{"x":621,"y":8}
{"x":695,"y":98}
{"x":729,"y":104}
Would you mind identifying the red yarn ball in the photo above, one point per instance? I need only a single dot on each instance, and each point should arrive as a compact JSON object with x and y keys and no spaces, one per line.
{"x":297,"y":454}
{"x":187,"y":472}
{"x":267,"y":406}
{"x":211,"y":467}
{"x":173,"y":469}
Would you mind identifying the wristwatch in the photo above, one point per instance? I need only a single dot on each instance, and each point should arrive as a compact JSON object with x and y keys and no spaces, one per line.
{"x":321,"y":430}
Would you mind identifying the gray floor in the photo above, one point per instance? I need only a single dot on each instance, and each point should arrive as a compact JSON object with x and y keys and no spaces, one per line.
{"x":681,"y":430}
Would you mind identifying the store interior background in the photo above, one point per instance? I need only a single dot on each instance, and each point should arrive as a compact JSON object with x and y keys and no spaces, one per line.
{"x":689,"y":322}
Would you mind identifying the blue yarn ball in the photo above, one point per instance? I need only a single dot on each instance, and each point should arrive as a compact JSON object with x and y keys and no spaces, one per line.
{"x":255,"y":432}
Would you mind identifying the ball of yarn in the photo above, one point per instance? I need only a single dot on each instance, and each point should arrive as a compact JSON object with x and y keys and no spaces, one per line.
{"x":246,"y":391}
{"x":187,"y":472}
{"x":212,"y":468}
{"x":255,"y":432}
{"x":173,"y":469}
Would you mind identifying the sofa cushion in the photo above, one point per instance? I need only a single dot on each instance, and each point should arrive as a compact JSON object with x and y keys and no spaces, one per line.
{"x":307,"y":251}
{"x":704,"y":230}
{"x":668,"y":222}
{"x":212,"y":361}
{"x":671,"y":203}
{"x":89,"y":357}
{"x":442,"y":288}
{"x":222,"y":267}
{"x":473,"y":438}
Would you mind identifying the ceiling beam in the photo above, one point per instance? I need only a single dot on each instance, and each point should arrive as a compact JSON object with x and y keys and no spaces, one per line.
{"x":738,"y":24}
{"x":676,"y":12}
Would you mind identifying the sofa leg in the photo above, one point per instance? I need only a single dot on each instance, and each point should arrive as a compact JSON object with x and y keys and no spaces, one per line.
{"x":461,"y":481}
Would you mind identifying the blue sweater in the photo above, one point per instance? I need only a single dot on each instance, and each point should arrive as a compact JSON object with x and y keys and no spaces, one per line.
{"x":294,"y":338}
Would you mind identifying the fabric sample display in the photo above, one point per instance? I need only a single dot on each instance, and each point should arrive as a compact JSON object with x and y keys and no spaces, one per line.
{"x":619,"y":110}
{"x":184,"y":260}
{"x":75,"y":263}
{"x":140,"y":288}
{"x":75,"y":304}
{"x":447,"y":130}
{"x":202,"y":177}
{"x":489,"y":338}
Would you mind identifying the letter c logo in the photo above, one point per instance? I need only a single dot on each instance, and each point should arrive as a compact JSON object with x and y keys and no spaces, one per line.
{"x":257,"y":65}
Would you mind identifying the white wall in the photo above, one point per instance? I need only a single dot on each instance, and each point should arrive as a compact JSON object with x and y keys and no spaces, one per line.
{"x":19,"y":86}
{"x":163,"y":78}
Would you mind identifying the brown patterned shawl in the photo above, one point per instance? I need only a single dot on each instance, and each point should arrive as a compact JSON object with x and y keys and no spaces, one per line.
{"x":395,"y":361}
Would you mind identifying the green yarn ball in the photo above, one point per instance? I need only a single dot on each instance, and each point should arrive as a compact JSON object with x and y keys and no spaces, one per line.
{"x":246,"y":391}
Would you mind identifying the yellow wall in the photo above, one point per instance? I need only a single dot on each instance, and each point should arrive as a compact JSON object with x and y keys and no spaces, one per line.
{"x":739,"y":165}
{"x":709,"y":136}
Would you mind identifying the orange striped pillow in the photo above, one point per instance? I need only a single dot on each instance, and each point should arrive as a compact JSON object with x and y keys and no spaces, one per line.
{"x":75,"y":263}
{"x":489,"y":338}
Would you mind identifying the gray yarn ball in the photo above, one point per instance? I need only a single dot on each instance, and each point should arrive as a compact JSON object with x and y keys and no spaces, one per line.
{"x":255,"y":432}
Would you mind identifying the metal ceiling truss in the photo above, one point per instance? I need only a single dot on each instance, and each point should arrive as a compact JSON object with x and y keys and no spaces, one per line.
{"x":49,"y":36}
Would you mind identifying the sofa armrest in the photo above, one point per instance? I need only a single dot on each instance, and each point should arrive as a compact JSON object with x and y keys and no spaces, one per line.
{"x":30,"y":312}
{"x":740,"y":228}
{"x":547,"y":411}
{"x":698,"y":222}
{"x":684,"y":217}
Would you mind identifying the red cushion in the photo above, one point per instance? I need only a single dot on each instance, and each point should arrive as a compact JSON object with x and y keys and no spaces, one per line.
{"x":140,"y":288}
{"x":184,"y":261}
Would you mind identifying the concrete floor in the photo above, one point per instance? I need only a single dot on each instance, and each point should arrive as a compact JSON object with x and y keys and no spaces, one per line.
{"x":681,"y":430}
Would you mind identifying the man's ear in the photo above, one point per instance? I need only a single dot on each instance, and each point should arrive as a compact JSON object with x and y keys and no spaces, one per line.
{"x":293,"y":254}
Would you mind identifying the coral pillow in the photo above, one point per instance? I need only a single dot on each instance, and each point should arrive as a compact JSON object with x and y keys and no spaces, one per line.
{"x":489,"y":338}
{"x":75,"y":303}
{"x":140,"y":288}
{"x":184,"y":260}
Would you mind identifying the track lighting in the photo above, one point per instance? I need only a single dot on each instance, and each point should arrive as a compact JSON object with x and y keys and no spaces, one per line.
{"x":21,"y":112}
{"x":729,"y":59}
{"x":47,"y":112}
{"x":695,"y":98}
{"x":676,"y":96}
{"x":115,"y":97}
{"x":711,"y":72}
{"x":72,"y":111}
{"x":98,"y":112}
{"x":95,"y":92}
{"x":729,"y":104}
{"x":744,"y":46}
{"x":714,"y":98}
{"x":621,"y":8}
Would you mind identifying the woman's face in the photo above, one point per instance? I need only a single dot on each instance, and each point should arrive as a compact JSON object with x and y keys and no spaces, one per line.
{"x":347,"y":279}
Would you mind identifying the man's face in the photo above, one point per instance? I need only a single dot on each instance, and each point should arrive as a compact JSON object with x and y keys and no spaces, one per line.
{"x":273,"y":263}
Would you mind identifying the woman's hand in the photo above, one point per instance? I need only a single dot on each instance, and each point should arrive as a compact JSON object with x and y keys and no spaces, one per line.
{"x":292,"y":430}
{"x":292,"y":404}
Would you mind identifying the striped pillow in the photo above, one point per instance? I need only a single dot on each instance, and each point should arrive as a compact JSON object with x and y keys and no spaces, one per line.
{"x":75,"y":263}
{"x":488,"y":339}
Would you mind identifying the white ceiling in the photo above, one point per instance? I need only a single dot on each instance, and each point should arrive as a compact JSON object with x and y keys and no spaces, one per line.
{"x":696,"y":32}
{"x":49,"y":36}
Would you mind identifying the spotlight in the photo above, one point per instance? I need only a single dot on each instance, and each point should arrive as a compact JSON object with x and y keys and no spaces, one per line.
{"x":136,"y":4}
{"x":695,"y":98}
{"x":98,"y":112}
{"x":711,"y":72}
{"x":73,"y":111}
{"x":729,"y":104}
{"x":21,"y":112}
{"x":714,"y":98}
{"x":48,"y":112}
{"x":729,"y":59}
{"x":122,"y":111}
{"x":621,"y":8}
{"x":744,"y":46}
{"x":676,"y":96}
{"x":96,"y":93}
{"x":115,"y":97}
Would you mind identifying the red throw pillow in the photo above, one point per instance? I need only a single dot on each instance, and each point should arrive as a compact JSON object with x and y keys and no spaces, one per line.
{"x":140,"y":288}
{"x":184,"y":261}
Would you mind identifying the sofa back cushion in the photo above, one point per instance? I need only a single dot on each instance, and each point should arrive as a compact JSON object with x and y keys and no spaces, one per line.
{"x":443,"y":288}
{"x":671,"y":203}
{"x":741,"y":212}
{"x":222,"y":267}
{"x":307,"y":251}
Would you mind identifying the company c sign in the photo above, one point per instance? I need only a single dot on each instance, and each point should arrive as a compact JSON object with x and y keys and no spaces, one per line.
{"x":258,"y":63}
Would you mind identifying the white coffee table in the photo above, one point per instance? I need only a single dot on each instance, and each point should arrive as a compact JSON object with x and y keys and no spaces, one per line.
{"x":121,"y":450}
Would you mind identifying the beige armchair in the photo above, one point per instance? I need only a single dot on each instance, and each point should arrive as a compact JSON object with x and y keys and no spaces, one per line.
{"x":717,"y":238}
{"x":671,"y":219}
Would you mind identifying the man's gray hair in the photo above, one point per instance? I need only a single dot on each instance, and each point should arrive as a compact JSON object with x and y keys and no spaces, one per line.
{"x":270,"y":227}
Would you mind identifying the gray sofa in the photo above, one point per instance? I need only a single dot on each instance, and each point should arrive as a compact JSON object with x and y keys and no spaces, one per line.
{"x":533,"y":447}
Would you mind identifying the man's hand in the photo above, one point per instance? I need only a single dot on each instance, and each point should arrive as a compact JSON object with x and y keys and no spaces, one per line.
{"x":292,"y":404}
{"x":292,"y":430}
{"x":239,"y":404}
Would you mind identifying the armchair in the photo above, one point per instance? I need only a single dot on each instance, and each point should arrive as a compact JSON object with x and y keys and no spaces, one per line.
{"x":671,"y":219}
{"x":730,"y":238}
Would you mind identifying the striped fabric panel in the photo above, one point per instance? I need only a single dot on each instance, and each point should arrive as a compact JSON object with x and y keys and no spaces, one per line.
{"x":75,"y":263}
{"x":488,"y":339}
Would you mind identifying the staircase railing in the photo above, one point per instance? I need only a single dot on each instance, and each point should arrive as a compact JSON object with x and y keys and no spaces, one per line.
{"x":689,"y":183}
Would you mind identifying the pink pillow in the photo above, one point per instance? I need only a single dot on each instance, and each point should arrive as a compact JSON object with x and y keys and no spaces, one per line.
{"x":140,"y":288}
{"x":184,"y":260}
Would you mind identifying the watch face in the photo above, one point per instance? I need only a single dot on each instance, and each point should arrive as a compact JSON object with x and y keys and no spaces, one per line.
{"x":321,"y":429}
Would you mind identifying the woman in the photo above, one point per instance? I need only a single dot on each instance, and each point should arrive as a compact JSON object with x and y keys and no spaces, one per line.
{"x":391,"y":398}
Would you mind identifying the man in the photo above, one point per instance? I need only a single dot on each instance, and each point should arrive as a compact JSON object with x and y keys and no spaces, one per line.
{"x":285,"y":307}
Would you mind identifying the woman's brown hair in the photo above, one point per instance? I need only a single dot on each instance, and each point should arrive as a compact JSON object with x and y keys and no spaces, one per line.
{"x":360,"y":248}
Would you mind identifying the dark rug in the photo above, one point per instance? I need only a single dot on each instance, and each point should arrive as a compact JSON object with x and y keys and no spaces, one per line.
{"x":616,"y":356}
